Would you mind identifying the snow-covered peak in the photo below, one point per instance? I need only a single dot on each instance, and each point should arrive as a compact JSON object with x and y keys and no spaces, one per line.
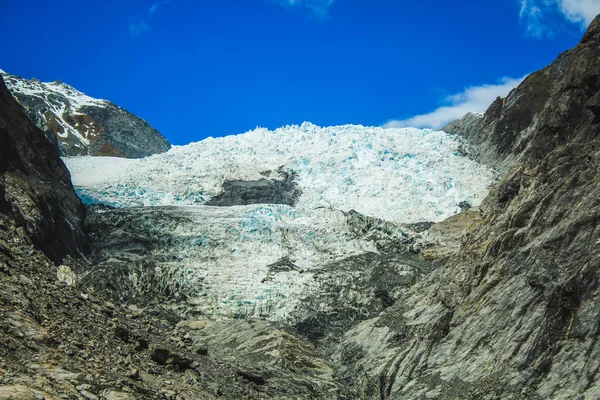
{"x":82,"y":124}
{"x":402,"y":175}
{"x":34,"y":87}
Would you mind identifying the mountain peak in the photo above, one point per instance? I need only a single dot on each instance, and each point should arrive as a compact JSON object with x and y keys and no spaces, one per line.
{"x":78,"y":124}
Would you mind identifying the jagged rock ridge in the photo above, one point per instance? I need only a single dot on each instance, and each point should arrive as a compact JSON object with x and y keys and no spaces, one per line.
{"x":77,"y":124}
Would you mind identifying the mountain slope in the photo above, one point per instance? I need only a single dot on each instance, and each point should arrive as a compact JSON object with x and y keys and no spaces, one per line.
{"x":514,"y":314}
{"x":80,"y":125}
{"x":501,"y":302}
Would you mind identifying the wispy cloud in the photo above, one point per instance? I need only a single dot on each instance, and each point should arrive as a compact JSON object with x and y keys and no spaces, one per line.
{"x":543,"y":17}
{"x":471,"y":99}
{"x":532,"y":17}
{"x":137,"y":26}
{"x":318,"y":8}
{"x":141,"y":23}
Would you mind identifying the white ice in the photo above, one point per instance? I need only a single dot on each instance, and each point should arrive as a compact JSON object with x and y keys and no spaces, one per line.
{"x":402,"y":175}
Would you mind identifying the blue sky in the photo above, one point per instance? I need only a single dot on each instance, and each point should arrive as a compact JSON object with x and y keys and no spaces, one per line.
{"x":202,"y":68}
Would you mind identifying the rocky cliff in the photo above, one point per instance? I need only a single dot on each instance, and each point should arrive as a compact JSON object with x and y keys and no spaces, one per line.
{"x":514,"y":312}
{"x":35,"y":186}
{"x":77,"y":124}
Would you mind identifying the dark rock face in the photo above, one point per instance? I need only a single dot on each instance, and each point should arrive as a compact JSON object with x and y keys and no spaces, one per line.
{"x":515,"y":313}
{"x":466,"y":126}
{"x":35,"y":186}
{"x":79,"y":125}
{"x":354,"y":290}
{"x":130,"y":135}
{"x":281,"y":190}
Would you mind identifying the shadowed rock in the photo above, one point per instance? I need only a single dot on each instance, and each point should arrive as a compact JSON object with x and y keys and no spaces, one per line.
{"x":281,"y":190}
{"x":35,"y":186}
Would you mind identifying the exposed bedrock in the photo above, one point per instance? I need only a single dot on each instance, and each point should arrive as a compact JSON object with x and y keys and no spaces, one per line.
{"x":35,"y":186}
{"x":77,"y":124}
{"x":282,"y":189}
{"x":515,"y":313}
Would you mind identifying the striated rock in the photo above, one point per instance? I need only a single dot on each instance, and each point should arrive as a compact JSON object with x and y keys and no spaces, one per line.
{"x":466,"y":126}
{"x":514,"y":314}
{"x":35,"y":186}
{"x":77,"y":124}
{"x":270,"y":355}
{"x":114,"y":395}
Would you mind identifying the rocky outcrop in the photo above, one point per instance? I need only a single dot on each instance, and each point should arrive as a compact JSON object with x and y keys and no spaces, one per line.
{"x":77,"y":124}
{"x":466,"y":126}
{"x":514,"y":314}
{"x":541,"y":112}
{"x":280,"y":189}
{"x":35,"y":186}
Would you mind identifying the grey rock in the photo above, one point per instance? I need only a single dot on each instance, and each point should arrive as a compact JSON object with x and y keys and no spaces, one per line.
{"x":35,"y":186}
{"x":166,"y":357}
{"x":512,"y":314}
{"x":66,"y":275}
{"x":84,"y":126}
{"x":279,"y":190}
{"x":466,"y":126}
{"x":130,"y":135}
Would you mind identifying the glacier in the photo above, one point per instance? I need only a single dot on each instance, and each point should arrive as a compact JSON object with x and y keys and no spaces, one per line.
{"x":402,"y":175}
{"x":236,"y":262}
{"x":361,"y":190}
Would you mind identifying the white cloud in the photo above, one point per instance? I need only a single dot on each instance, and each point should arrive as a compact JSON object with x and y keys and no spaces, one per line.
{"x":580,"y":11}
{"x":472,"y":99}
{"x":317,"y":7}
{"x":531,"y":14}
{"x":540,"y":16}
{"x":137,"y":26}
